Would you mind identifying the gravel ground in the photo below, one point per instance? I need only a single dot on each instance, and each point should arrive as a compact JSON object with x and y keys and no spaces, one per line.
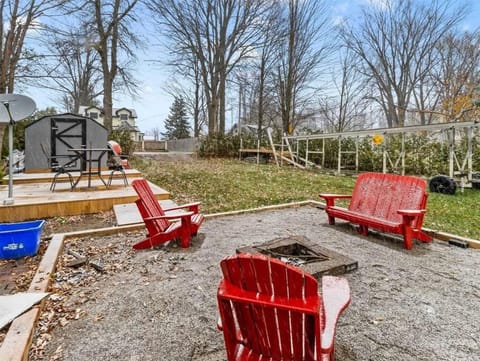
{"x":161,"y":304}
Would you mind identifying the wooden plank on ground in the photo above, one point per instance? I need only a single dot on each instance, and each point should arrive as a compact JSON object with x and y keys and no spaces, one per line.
{"x":17,"y":342}
{"x":128,"y":213}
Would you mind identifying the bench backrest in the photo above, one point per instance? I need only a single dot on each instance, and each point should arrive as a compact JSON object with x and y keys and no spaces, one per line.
{"x":149,"y":206}
{"x":382,"y":195}
{"x":270,"y":308}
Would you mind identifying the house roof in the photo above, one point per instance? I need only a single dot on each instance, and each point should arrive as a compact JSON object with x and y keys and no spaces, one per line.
{"x":132,"y":112}
{"x":84,"y":109}
{"x":129,"y":127}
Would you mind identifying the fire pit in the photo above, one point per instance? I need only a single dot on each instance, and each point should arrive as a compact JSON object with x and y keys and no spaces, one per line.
{"x":299,"y":251}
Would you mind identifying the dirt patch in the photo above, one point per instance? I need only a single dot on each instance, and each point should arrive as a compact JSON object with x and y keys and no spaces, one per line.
{"x":78,"y":223}
{"x":160,"y":304}
{"x":16,"y":275}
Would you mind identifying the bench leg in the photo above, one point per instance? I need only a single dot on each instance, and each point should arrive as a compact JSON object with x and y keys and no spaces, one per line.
{"x":408,"y":232}
{"x":331,"y":220}
{"x":363,"y":230}
{"x":407,"y":237}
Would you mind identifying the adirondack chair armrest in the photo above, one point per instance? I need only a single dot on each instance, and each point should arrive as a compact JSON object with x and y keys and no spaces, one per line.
{"x":336,"y":298}
{"x":330,"y":198}
{"x":193,"y":207}
{"x":173,"y":216}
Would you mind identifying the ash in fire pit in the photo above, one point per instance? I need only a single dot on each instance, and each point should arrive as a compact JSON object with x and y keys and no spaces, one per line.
{"x":293,"y":253}
{"x":299,"y":251}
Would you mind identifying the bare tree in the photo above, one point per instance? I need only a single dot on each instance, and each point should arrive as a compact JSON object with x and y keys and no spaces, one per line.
{"x":111,"y":25}
{"x":345,"y":108}
{"x":396,"y":42}
{"x":268,"y":50}
{"x":192,"y":93}
{"x":306,"y":44}
{"x":74,"y":69}
{"x":456,"y":74}
{"x":16,"y":19}
{"x":216,"y":34}
{"x":155,"y":132}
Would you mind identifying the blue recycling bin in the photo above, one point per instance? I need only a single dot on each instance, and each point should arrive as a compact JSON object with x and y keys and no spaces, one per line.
{"x":20,"y":239}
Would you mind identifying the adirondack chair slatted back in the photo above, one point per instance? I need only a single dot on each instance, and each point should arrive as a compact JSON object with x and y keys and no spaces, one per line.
{"x":382,"y":195}
{"x":277,"y":328}
{"x":149,"y":206}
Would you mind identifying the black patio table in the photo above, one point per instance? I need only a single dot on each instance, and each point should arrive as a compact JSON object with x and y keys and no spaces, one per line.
{"x":89,"y":156}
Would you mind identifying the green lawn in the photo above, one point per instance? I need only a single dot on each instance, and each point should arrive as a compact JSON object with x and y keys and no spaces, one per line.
{"x":226,"y":185}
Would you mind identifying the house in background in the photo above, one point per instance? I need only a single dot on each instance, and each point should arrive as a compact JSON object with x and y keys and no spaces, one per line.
{"x":122,"y":119}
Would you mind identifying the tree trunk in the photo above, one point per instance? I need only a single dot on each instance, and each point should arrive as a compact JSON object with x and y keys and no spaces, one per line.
{"x":107,"y":104}
{"x":221,"y":101}
{"x":261,"y":91}
{"x":212,"y":115}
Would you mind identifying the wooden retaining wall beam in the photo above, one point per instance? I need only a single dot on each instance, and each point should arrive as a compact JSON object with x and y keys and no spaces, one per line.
{"x":16,"y":345}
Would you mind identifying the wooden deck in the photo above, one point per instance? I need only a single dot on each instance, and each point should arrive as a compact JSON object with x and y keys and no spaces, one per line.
{"x":32,"y":198}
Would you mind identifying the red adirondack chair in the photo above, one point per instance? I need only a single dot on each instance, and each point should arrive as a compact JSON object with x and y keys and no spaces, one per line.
{"x":272,"y":311}
{"x":161,"y":227}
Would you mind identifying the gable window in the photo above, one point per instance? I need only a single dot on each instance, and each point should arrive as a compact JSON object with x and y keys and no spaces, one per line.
{"x":94,"y":115}
{"x":123,"y":116}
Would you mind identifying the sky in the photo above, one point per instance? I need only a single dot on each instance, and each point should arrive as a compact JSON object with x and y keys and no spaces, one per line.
{"x":153,"y":102}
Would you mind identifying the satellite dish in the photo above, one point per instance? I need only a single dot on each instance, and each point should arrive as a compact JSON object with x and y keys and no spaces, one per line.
{"x":14,"y":107}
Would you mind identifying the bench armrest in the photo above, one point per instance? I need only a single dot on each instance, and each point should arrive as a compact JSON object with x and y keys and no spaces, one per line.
{"x":336,"y":298}
{"x":330,"y":198}
{"x":411,"y":212}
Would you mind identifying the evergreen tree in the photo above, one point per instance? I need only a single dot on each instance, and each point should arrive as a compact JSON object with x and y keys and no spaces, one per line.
{"x":176,"y":124}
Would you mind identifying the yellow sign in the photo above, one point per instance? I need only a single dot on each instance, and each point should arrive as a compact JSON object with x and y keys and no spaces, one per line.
{"x":377,"y":139}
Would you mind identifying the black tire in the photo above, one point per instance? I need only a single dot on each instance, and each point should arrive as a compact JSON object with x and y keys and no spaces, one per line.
{"x":442,"y":184}
{"x":476,"y":181}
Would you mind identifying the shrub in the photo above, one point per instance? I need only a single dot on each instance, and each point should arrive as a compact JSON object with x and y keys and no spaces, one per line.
{"x":123,"y":138}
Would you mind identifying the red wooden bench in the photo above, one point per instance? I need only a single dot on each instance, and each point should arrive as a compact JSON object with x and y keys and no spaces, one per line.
{"x":386,"y":202}
{"x":272,"y":311}
{"x":161,"y":227}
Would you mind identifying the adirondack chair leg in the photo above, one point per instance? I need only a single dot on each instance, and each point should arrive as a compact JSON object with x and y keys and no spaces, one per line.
{"x":336,"y":297}
{"x":185,"y":233}
{"x":185,"y":241}
{"x":329,"y":357}
{"x":146,"y":243}
{"x":151,"y":242}
{"x":331,"y":220}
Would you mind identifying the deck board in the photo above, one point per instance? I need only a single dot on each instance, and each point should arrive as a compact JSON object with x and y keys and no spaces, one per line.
{"x":34,"y":200}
